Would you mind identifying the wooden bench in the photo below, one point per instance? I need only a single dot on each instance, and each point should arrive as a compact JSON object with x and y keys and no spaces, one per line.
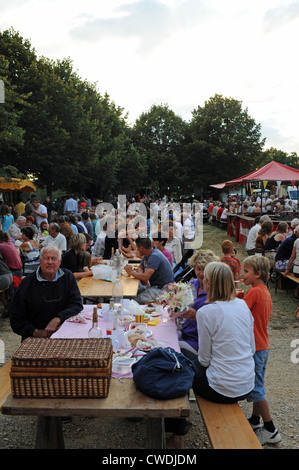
{"x":291,"y":277}
{"x":227,"y":426}
{"x":4,"y":383}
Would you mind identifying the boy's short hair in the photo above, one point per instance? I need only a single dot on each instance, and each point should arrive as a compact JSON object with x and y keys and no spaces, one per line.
{"x":227,"y":247}
{"x":259,"y":264}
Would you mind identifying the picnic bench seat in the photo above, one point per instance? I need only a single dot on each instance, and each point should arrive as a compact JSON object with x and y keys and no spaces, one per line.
{"x":289,"y":277}
{"x":227,"y":425}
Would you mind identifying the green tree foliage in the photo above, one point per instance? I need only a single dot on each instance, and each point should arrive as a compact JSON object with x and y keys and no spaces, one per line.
{"x":225,"y":142}
{"x":159,"y":134}
{"x":74,"y":139}
{"x":279,"y":156}
{"x":11,"y":134}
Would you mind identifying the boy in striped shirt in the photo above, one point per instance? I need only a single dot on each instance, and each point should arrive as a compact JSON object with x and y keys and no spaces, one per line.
{"x":229,"y":252}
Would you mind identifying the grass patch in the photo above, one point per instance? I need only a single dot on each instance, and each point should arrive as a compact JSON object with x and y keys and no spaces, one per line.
{"x":284,"y":304}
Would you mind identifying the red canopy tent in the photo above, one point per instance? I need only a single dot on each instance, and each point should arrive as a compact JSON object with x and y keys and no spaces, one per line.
{"x":273,"y":171}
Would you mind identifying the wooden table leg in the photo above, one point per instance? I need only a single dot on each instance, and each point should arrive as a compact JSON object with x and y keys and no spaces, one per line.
{"x":155,"y":433}
{"x":49,"y":433}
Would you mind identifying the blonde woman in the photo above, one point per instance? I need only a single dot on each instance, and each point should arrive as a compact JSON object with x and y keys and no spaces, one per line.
{"x":226,"y":340}
{"x":188,"y":335}
{"x":224,"y":366}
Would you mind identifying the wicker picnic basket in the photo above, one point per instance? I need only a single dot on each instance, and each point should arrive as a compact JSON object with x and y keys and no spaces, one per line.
{"x":62,"y":368}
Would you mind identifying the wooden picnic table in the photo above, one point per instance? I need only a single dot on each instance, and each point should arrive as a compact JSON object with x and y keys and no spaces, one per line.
{"x":90,"y":287}
{"x":123,"y":401}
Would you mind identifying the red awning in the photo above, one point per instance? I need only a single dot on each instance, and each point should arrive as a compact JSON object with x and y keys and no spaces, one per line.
{"x":273,"y":171}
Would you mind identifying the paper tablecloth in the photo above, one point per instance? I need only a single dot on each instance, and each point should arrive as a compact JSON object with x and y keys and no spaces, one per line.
{"x":165,"y":332}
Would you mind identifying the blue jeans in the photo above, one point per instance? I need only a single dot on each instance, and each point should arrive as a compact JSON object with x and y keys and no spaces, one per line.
{"x":259,"y":393}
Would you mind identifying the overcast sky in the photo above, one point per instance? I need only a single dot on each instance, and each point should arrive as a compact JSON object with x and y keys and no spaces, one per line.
{"x":176,"y":52}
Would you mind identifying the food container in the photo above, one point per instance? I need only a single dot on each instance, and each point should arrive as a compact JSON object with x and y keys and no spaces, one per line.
{"x":123,"y":365}
{"x":62,"y":368}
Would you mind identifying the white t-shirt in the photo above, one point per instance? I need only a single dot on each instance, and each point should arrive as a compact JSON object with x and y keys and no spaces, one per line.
{"x":296,"y":265}
{"x":178,"y":230}
{"x":226,"y":346}
{"x":188,"y":229}
{"x":251,"y":237}
{"x":41,"y":210}
{"x":59,"y":241}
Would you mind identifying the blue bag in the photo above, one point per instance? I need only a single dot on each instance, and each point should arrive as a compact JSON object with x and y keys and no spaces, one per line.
{"x":164,"y":373}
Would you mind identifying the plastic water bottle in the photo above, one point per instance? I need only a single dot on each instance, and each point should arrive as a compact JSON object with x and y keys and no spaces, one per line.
{"x":117,"y":263}
{"x":117,"y":295}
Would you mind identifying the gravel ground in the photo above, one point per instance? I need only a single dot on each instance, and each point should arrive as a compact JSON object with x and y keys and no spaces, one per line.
{"x":282,"y":382}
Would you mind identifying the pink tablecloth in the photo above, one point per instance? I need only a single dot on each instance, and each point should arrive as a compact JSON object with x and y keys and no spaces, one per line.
{"x":164,"y":332}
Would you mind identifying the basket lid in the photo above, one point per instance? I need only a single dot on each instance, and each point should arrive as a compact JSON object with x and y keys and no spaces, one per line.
{"x":63,"y":352}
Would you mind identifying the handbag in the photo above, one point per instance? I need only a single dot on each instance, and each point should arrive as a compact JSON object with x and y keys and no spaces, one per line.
{"x":164,"y":373}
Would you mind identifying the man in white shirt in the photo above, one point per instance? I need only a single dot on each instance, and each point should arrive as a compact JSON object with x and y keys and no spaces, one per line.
{"x":40,"y":211}
{"x":252,"y":235}
{"x":55,"y":237}
{"x":188,"y":227}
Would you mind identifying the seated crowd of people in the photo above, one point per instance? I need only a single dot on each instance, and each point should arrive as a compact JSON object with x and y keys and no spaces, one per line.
{"x":223,"y":335}
{"x":250,"y":206}
{"x":84,"y":235}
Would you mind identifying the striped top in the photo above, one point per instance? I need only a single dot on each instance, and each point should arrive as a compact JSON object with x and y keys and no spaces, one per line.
{"x":233,"y":263}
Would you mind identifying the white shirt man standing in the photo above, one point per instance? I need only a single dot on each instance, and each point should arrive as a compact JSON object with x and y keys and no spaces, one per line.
{"x":40,"y":211}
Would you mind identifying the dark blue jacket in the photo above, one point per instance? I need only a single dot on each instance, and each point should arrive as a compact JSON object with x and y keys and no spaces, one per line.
{"x":37,"y":302}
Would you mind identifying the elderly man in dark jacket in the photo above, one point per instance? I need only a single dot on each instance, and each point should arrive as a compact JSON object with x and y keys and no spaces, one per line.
{"x":45,"y":298}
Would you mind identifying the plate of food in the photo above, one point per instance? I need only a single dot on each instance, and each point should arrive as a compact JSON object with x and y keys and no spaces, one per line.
{"x":156,"y":314}
{"x":141,"y":328}
{"x":149,"y":309}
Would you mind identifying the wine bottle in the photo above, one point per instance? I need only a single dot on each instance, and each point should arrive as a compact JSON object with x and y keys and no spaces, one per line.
{"x":109,"y":318}
{"x":95,"y":331}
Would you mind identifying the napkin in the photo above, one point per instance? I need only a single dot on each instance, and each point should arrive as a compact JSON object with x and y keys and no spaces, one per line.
{"x":154,"y":322}
{"x":77,"y":319}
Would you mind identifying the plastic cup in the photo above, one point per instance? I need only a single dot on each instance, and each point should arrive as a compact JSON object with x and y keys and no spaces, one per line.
{"x":139,"y":318}
{"x":240,"y":293}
